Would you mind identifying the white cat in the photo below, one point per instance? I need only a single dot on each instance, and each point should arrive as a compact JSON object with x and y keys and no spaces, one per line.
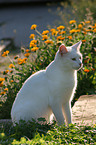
{"x":50,"y":91}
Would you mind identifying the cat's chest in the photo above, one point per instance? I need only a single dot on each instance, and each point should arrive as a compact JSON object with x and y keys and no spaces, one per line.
{"x":62,"y":85}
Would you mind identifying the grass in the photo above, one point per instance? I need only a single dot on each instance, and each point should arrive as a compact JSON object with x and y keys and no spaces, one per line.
{"x":35,"y":133}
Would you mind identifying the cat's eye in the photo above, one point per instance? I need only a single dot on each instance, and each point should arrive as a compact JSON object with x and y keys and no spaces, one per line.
{"x":74,"y":59}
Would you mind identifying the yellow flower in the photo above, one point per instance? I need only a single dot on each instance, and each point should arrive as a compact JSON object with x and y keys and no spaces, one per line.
{"x":2,"y":79}
{"x":27,"y":54}
{"x":60,"y":28}
{"x":33,"y":26}
{"x":34,"y":48}
{"x":60,"y":38}
{"x":49,"y":42}
{"x":45,"y":37}
{"x":94,"y":30}
{"x":72,"y":21}
{"x":6,"y":89}
{"x":45,"y":32}
{"x":32,"y":36}
{"x":80,"y":26}
{"x":87,"y":22}
{"x":5,"y":53}
{"x":11,"y":66}
{"x":72,"y":31}
{"x":70,"y":37}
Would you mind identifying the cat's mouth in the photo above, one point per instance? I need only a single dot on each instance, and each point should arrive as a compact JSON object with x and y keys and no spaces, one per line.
{"x":78,"y":67}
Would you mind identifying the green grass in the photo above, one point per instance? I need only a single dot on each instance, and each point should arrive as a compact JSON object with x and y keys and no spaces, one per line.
{"x":33,"y":133}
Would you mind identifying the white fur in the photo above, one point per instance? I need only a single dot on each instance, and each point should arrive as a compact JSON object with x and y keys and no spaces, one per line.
{"x":49,"y":91}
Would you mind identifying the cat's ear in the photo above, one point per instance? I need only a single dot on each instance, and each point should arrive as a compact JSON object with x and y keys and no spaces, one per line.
{"x":62,"y":49}
{"x":77,"y":46}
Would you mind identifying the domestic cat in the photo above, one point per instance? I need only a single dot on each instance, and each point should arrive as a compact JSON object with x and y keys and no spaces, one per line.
{"x":50,"y":91}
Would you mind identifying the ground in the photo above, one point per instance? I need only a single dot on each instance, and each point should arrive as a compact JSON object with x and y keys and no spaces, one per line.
{"x":83,"y":112}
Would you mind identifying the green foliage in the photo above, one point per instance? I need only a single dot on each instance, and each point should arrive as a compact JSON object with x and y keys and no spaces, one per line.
{"x":34,"y":133}
{"x":42,"y":51}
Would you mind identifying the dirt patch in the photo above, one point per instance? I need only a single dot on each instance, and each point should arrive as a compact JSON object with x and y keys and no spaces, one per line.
{"x":84,"y":110}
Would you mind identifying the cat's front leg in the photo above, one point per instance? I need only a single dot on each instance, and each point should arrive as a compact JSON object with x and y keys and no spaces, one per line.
{"x":67,"y":112}
{"x":57,"y":111}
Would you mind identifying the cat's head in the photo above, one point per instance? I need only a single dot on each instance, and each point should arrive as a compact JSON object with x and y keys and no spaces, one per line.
{"x":70,"y":57}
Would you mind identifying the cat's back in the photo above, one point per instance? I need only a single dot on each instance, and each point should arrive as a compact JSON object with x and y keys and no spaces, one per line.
{"x":34,"y":81}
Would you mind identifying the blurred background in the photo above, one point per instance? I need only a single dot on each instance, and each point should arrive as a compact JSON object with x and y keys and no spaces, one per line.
{"x":17,"y":16}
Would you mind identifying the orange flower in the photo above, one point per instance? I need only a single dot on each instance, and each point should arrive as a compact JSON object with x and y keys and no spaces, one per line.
{"x":72,"y":31}
{"x":6,"y":89}
{"x":1,"y":84}
{"x":62,"y":32}
{"x":2,"y":79}
{"x":85,"y":61}
{"x":87,"y":22}
{"x":11,"y":81}
{"x":11,"y":66}
{"x":27,"y":54}
{"x":94,"y":26}
{"x":86,"y":70}
{"x":34,"y":48}
{"x":70,"y":37}
{"x":80,"y":26}
{"x":93,"y":69}
{"x":88,"y":30}
{"x":2,"y":93}
{"x":45,"y":37}
{"x":60,"y":38}
{"x":72,"y":21}
{"x":54,"y":32}
{"x":5,"y":53}
{"x":27,"y":50}
{"x":49,"y":42}
{"x":32,"y":36}
{"x":94,"y":30}
{"x":33,"y":26}
{"x":78,"y":30}
{"x":83,"y":41}
{"x":6,"y":71}
{"x":22,"y":61}
{"x":45,"y":32}
{"x":60,"y":28}
{"x":33,"y":41}
{"x":32,"y":44}
{"x":84,"y":33}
